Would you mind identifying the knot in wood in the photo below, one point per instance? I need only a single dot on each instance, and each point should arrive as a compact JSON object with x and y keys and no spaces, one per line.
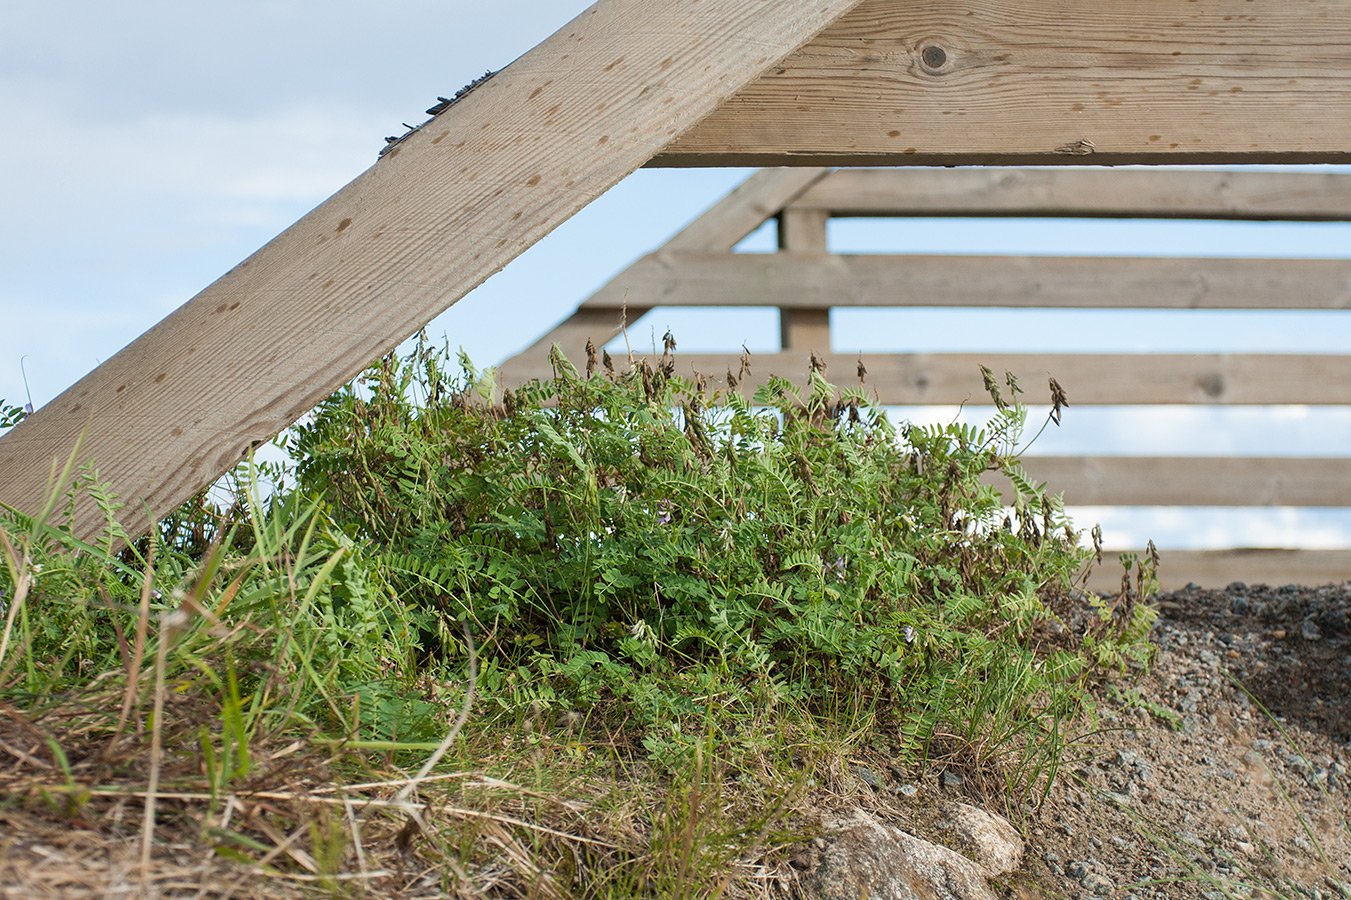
{"x":933,"y":56}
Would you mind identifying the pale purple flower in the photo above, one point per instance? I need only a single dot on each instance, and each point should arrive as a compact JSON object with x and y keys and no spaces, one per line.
{"x":664,"y":506}
{"x":909,"y":634}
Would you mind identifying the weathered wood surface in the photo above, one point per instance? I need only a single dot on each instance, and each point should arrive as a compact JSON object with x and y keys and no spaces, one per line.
{"x":744,"y":209}
{"x":1005,"y":82}
{"x":1096,"y":193}
{"x":885,"y":280}
{"x":1218,"y":568}
{"x":804,"y":329}
{"x":436,"y":216}
{"x":1190,"y":481}
{"x":923,"y":379}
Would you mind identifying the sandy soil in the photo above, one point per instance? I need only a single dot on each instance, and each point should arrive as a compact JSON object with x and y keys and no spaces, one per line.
{"x":1226,"y":772}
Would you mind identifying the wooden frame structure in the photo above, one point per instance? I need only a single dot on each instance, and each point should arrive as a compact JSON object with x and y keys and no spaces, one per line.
{"x":676,"y":82}
{"x":805,"y":281}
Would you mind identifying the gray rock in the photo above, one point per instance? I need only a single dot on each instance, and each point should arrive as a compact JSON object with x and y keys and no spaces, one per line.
{"x":868,"y":777}
{"x":868,"y":859}
{"x":951,"y":779}
{"x":1310,"y":631}
{"x":989,"y":840}
{"x":1098,"y":884}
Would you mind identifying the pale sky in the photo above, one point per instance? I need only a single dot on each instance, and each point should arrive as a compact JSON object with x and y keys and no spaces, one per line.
{"x":152,"y":145}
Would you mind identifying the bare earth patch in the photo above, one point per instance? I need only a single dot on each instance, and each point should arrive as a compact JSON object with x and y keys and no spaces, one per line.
{"x":1191,"y":787}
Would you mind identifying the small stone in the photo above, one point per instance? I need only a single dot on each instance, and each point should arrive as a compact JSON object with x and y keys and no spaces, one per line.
{"x":868,"y":777}
{"x":869,"y":859}
{"x":907,"y":790}
{"x":1098,"y":884}
{"x":989,"y":840}
{"x":951,"y":779}
{"x":1309,"y":631}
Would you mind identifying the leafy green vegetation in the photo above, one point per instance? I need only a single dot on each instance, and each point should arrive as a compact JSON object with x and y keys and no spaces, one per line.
{"x":639,"y":548}
{"x":688,"y":581}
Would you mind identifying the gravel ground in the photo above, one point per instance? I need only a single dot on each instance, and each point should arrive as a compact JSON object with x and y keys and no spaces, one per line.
{"x":1229,"y":769}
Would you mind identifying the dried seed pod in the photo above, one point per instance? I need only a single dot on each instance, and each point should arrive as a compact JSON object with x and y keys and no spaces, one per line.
{"x":992,"y":387}
{"x":1058,"y":400}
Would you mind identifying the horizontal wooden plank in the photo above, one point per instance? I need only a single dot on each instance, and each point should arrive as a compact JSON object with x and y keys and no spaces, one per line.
{"x":1191,"y":481}
{"x":930,"y":82}
{"x":1094,"y":193}
{"x":440,"y":212}
{"x":818,"y":280}
{"x":919,"y":379}
{"x":1219,"y":568}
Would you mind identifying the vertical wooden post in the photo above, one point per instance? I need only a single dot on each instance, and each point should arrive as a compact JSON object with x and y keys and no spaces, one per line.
{"x":804,"y":330}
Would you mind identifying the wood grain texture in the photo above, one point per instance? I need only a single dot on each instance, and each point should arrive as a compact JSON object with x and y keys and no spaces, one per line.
{"x":932,"y":82}
{"x":922,"y":379}
{"x":744,"y":209}
{"x":436,"y":216}
{"x":1218,"y":568}
{"x":1097,"y":193}
{"x":883,"y":280}
{"x":1191,"y":481}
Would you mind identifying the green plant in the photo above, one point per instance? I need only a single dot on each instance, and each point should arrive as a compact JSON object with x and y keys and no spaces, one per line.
{"x":11,"y":415}
{"x":642,"y":546}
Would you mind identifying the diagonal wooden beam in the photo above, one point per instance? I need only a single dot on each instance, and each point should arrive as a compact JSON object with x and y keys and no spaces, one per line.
{"x":715,"y":231}
{"x":437,"y":215}
{"x":1006,"y":82}
{"x":745,"y":209}
{"x":571,"y":335}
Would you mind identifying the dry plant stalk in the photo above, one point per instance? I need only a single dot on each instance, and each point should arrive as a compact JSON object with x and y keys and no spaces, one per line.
{"x":156,"y":751}
{"x":18,"y":564}
{"x":137,"y":654}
